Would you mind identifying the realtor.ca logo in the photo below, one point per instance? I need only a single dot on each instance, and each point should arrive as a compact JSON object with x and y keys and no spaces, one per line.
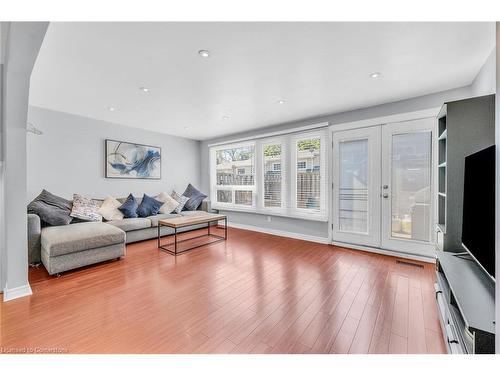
{"x":31,"y":350}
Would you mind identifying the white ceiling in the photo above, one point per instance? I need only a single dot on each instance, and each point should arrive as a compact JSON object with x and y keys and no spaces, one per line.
{"x":318,"y":68}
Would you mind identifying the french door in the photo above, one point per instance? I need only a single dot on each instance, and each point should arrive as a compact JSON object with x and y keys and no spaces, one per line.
{"x":383,"y":187}
{"x":356,"y":186}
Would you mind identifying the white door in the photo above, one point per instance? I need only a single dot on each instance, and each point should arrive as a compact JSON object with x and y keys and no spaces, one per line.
{"x":408,"y":187}
{"x":383,"y":187}
{"x":356,"y":186}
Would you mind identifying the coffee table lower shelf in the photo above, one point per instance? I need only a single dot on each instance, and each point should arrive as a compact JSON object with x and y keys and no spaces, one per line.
{"x":165,"y":247}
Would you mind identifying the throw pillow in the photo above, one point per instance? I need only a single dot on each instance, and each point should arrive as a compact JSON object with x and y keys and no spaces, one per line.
{"x":51,"y":209}
{"x":195,"y":198}
{"x":149,"y":206}
{"x":181,"y":200}
{"x":129,"y":207}
{"x":169,"y":203}
{"x":109,"y":209}
{"x":85,"y":209}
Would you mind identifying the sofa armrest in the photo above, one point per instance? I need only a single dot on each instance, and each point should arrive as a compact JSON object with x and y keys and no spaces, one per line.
{"x":205,"y":206}
{"x":34,"y":238}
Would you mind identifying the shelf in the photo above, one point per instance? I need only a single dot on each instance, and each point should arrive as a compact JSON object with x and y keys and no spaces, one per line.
{"x":443,"y":135}
{"x":471,"y":288}
{"x":442,"y":165}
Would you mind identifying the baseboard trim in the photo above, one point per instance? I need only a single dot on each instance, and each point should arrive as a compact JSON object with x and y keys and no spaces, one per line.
{"x":14,"y":293}
{"x":281,"y":233}
{"x":324,"y":240}
{"x":392,"y":253}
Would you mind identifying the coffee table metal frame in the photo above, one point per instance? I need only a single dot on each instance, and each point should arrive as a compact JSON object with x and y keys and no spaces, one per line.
{"x":176,"y":242}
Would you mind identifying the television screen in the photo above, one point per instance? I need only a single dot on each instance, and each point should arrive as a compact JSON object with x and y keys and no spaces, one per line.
{"x":478,"y":224}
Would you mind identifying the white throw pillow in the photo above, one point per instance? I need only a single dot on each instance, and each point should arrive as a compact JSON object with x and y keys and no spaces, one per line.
{"x":181,"y":201}
{"x":85,"y":209}
{"x":169,"y":203}
{"x":109,"y":209}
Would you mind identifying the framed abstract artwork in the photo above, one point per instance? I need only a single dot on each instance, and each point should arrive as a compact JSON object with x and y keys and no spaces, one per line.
{"x":132,"y":160}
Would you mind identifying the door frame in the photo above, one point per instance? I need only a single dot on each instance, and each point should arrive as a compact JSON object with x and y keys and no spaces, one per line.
{"x":372,"y":134}
{"x":386,"y":240}
{"x":431,"y":112}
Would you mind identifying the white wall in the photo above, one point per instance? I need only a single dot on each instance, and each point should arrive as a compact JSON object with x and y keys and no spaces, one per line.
{"x":22,"y":45}
{"x":484,"y":83}
{"x":69,"y":157}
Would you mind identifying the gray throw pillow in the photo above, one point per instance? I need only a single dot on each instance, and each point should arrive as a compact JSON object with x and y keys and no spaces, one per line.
{"x":195,"y":198}
{"x":51,"y":209}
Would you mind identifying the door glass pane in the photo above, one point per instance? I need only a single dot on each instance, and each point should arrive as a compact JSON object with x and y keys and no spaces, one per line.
{"x":411,"y":186}
{"x":353,"y":188}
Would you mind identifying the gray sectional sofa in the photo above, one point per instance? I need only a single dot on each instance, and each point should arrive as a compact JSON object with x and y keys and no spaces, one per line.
{"x":66,"y":247}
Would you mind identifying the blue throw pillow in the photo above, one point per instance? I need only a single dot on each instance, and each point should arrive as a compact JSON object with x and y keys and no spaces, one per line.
{"x":129,"y":207}
{"x":149,"y":206}
{"x":195,"y":198}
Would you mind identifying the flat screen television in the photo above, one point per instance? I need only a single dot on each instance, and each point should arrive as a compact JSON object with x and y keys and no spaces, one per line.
{"x":478,"y":222}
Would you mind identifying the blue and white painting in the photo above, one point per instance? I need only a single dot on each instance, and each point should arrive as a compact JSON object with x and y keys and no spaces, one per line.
{"x":132,"y":160}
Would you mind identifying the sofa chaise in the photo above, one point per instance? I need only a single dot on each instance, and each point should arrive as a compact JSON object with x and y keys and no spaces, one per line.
{"x":66,"y":247}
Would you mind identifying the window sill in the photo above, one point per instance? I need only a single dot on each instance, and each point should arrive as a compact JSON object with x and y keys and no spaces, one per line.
{"x":263,"y":211}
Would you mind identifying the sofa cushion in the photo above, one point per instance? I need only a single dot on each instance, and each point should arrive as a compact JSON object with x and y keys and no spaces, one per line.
{"x":51,"y":209}
{"x":68,"y":239}
{"x":195,"y":198}
{"x":154,"y":219}
{"x":149,"y":206}
{"x":129,"y":207}
{"x":131,"y":224}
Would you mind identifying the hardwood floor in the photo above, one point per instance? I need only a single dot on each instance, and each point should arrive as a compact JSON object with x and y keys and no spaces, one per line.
{"x":255,"y":293}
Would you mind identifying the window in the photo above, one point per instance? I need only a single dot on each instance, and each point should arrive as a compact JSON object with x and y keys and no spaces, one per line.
{"x":285,"y":176}
{"x":309,"y":179}
{"x":272,"y":156}
{"x":234,"y":175}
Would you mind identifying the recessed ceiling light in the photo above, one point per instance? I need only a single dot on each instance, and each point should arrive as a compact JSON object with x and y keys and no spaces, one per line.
{"x":375,"y":75}
{"x":145,"y":89}
{"x":225,"y":117}
{"x":111,"y":109}
{"x":204,"y":53}
{"x":281,"y":101}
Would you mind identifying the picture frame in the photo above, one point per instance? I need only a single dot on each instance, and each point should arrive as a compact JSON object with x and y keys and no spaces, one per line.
{"x":127,"y":160}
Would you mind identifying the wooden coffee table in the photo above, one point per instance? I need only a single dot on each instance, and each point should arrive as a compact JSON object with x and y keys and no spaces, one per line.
{"x":187,"y":221}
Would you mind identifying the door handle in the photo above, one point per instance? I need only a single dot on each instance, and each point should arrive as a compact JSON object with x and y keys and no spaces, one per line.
{"x":385,"y":195}
{"x":385,"y":187}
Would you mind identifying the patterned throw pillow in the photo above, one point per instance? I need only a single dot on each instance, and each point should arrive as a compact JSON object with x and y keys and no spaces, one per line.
{"x":129,"y":207}
{"x":149,"y":206}
{"x":195,"y":198}
{"x":109,"y":209}
{"x":85,"y":209}
{"x":181,"y":199}
{"x":169,"y":203}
